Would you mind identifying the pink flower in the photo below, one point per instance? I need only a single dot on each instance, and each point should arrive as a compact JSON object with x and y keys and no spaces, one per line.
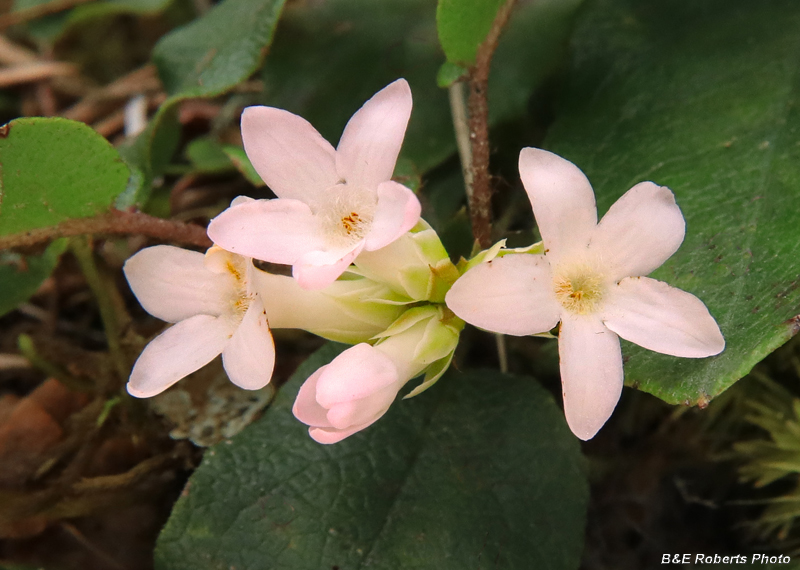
{"x":332,"y":203}
{"x":359,"y":385}
{"x":349,"y":394}
{"x":210,"y":299}
{"x":591,"y":279}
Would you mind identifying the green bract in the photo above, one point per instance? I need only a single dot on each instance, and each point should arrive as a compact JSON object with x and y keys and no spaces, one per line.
{"x":416,"y":266}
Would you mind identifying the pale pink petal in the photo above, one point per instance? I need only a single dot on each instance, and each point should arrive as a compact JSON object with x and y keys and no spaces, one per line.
{"x":398,"y":211}
{"x":356,"y":373}
{"x":279,"y":231}
{"x":173,"y":284}
{"x":562,"y":199}
{"x":658,"y":317}
{"x":333,"y":435}
{"x":511,"y":295}
{"x":177,"y":352}
{"x":288,"y":153}
{"x":591,"y":373}
{"x":310,"y":276}
{"x":306,"y":408}
{"x":639,"y":232}
{"x":249,"y":357}
{"x":371,"y":141}
{"x":357,"y":412}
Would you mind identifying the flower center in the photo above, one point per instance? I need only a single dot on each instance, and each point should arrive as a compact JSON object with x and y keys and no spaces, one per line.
{"x":353,"y":224}
{"x":223,"y":262}
{"x":580,"y":291}
{"x":346,"y":214}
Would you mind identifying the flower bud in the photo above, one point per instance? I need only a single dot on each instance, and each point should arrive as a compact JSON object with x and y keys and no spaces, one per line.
{"x":359,"y":385}
{"x":349,"y":311}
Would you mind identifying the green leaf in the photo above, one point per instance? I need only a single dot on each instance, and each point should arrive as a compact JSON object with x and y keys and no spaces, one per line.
{"x":207,"y":155}
{"x":53,"y":170}
{"x":215,"y":52}
{"x":463,"y":25}
{"x":480,"y":472}
{"x":448,"y":74}
{"x":700,"y":97}
{"x":532,"y":49}
{"x":21,"y":275}
{"x":148,"y":154}
{"x":239,"y":159}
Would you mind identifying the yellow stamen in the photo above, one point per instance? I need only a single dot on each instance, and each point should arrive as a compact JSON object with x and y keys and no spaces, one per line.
{"x":579,"y":291}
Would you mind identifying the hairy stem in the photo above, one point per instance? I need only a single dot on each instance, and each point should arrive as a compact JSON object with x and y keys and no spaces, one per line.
{"x":480,"y":202}
{"x":115,"y":222}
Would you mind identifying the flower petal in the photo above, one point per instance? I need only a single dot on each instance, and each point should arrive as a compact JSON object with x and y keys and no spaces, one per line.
{"x":591,"y":373}
{"x":288,"y":153}
{"x":371,"y":141}
{"x":356,"y":373}
{"x":279,"y":231}
{"x":249,"y":357}
{"x":639,"y":232}
{"x":177,"y":352}
{"x":173,"y":284}
{"x":511,"y":295}
{"x":306,"y":408}
{"x":562,"y":199}
{"x":318,"y":276}
{"x":397,"y":212}
{"x":333,"y":435}
{"x":662,"y":318}
{"x":365,"y":410}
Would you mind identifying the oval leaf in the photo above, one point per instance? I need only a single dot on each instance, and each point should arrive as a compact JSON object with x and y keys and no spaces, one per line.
{"x":463,"y":25}
{"x":480,"y":473}
{"x":213,"y":53}
{"x":52,"y":170}
{"x":21,"y":276}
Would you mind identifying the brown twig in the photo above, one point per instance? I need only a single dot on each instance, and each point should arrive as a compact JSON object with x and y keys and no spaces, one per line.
{"x":33,"y":72}
{"x":480,"y":204}
{"x":14,"y":54}
{"x":90,"y":546}
{"x":112,"y":124}
{"x":141,"y":80}
{"x":115,"y":222}
{"x":34,"y":12}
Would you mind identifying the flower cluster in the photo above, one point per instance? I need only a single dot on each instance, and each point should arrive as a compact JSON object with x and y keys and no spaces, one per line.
{"x":368,"y":271}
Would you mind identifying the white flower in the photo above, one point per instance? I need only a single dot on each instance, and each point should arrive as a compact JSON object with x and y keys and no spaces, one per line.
{"x":591,"y":279}
{"x":211,"y":300}
{"x":332,"y":203}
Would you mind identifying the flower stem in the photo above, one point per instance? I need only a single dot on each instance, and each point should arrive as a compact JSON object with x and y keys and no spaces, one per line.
{"x":480,"y":202}
{"x":502,"y":352}
{"x":105,"y":302}
{"x":115,"y":222}
{"x":458,"y":108}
